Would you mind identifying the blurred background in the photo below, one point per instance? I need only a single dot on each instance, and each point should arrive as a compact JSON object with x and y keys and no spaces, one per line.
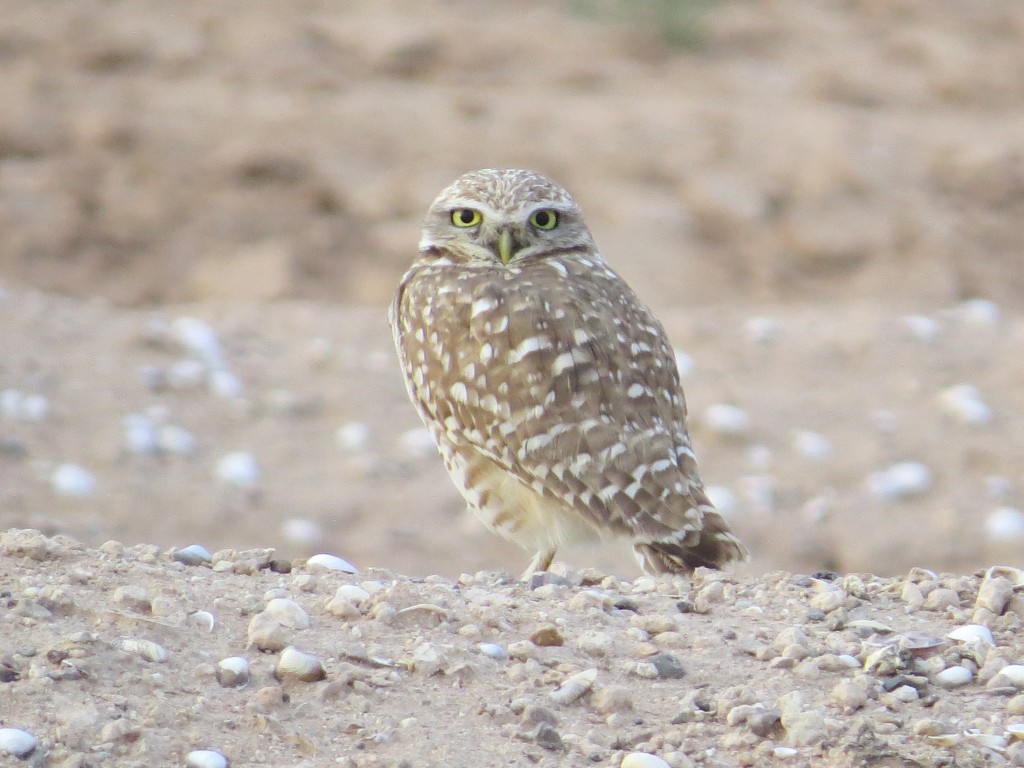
{"x":205,"y":208}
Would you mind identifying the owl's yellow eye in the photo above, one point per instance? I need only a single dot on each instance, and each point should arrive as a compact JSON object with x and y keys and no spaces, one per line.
{"x":545,"y":218}
{"x":466,"y":217}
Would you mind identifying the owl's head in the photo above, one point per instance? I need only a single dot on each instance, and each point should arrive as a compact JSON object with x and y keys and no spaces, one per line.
{"x":504,"y":217}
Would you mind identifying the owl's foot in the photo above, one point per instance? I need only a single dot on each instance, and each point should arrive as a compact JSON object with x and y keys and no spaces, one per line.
{"x":540,"y":563}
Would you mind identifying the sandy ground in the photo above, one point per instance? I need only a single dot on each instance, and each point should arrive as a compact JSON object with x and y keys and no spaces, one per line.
{"x":205,"y":210}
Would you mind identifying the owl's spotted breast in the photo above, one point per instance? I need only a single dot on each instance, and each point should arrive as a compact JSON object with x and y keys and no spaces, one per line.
{"x":552,"y":390}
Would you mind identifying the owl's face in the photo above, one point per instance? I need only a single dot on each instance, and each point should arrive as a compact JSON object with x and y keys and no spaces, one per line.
{"x":498,"y":218}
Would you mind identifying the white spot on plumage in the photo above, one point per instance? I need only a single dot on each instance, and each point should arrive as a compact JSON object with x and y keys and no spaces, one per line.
{"x":562,"y":363}
{"x":528,"y":346}
{"x":485,"y":304}
{"x":637,"y":390}
{"x":458,"y":392}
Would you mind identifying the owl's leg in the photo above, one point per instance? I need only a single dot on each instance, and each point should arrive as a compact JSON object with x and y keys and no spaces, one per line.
{"x":540,"y":563}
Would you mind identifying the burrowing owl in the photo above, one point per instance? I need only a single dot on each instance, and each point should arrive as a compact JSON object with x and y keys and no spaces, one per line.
{"x":551,"y":390}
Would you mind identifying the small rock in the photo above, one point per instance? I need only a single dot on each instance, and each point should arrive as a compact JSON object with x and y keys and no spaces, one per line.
{"x":1015,"y":706}
{"x":979,"y":312}
{"x":299,"y":530}
{"x":850,"y":695}
{"x":299,"y":665}
{"x":548,"y":738}
{"x":353,"y":436}
{"x":612,"y":698}
{"x":547,"y":635}
{"x":223,"y":383}
{"x":1004,"y":524}
{"x":73,"y":481}
{"x":725,"y":419}
{"x":266,"y":633}
{"x":287,"y":613}
{"x":973,"y":633}
{"x":493,"y":651}
{"x":26,"y":542}
{"x":193,"y":554}
{"x":813,"y":445}
{"x":667,"y":666}
{"x":684,"y":364}
{"x":330,"y":563}
{"x":954,"y":677}
{"x":598,"y":644}
{"x":643,"y":760}
{"x":921,"y":327}
{"x":232,"y":672}
{"x":240,"y":470}
{"x":14,"y":741}
{"x":964,"y":403}
{"x":574,"y":687}
{"x":132,"y":597}
{"x":940,"y":599}
{"x":427,"y":660}
{"x":205,"y":758}
{"x":900,"y":481}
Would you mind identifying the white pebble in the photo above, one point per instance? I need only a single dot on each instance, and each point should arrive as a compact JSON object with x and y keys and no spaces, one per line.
{"x":921,"y":327}
{"x":199,"y":338}
{"x":18,"y":406}
{"x":906,"y":694}
{"x":193,"y":554}
{"x":723,"y":499}
{"x":139,"y":434}
{"x":298,"y":530}
{"x":205,"y":758}
{"x":999,"y":487}
{"x":300,"y":665}
{"x":330,"y":563}
{"x":759,"y":490}
{"x":287,"y":613}
{"x":812,"y":445}
{"x":223,"y":383}
{"x":973,"y":633}
{"x":759,"y":457}
{"x":352,"y":436}
{"x":353,"y":593}
{"x":784,"y":753}
{"x":233,"y":672}
{"x":726,"y":419}
{"x":34,"y":407}
{"x":176,"y":440}
{"x":884,"y":420}
{"x":1014,"y":673}
{"x":684,"y":364}
{"x":964,"y":403}
{"x":186,"y":374}
{"x":73,"y":480}
{"x":10,"y":403}
{"x":762,"y":330}
{"x":1004,"y":523}
{"x":14,"y":741}
{"x":493,"y":650}
{"x":901,"y":481}
{"x":953,"y":677}
{"x":980,"y":312}
{"x":240,"y":470}
{"x":417,"y":442}
{"x":643,"y":760}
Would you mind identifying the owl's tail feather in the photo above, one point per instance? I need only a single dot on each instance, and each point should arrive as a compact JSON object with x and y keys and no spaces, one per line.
{"x":714,"y":549}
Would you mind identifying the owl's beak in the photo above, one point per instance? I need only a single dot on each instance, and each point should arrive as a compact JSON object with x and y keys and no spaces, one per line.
{"x":506,"y":246}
